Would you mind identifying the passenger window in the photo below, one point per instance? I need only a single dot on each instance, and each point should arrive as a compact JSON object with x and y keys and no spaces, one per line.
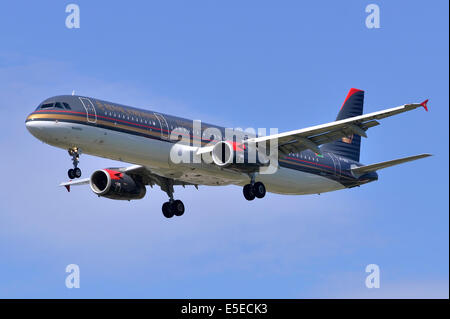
{"x":47,"y":106}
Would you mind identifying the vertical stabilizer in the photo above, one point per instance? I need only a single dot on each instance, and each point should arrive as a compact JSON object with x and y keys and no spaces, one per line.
{"x":349,"y":146}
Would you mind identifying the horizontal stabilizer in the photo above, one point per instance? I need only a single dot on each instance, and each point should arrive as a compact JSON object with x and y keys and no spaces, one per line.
{"x":374,"y":167}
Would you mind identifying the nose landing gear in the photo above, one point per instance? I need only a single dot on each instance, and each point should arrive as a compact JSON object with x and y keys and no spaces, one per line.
{"x":74,"y":172}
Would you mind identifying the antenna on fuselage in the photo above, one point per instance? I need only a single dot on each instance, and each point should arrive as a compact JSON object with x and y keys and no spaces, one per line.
{"x":73,"y":92}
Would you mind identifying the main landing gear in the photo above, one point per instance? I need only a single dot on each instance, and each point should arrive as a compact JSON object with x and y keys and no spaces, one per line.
{"x":74,"y":172}
{"x":172,"y":207}
{"x":254,"y":190}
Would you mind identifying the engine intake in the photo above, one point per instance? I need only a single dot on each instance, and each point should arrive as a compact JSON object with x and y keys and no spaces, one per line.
{"x":222,"y":154}
{"x":236,"y":155}
{"x":113,"y":184}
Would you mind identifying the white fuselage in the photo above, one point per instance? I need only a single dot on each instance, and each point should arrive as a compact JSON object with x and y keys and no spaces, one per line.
{"x":155,"y":155}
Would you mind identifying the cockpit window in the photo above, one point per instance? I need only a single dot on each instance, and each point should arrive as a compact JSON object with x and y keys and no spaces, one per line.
{"x":66,"y":106}
{"x":58,"y":105}
{"x":46,"y":105}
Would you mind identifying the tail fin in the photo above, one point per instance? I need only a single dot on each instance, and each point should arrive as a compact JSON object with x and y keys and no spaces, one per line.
{"x":348,"y":147}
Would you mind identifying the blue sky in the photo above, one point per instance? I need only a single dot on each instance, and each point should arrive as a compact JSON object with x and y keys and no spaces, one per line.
{"x":285,"y":64}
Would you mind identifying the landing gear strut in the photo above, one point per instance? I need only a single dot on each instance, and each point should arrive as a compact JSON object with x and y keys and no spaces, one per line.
{"x":254,"y":190}
{"x":74,"y":172}
{"x":172,"y":207}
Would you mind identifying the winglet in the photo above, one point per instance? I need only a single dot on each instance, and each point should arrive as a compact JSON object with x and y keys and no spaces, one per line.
{"x":67,"y":187}
{"x":424,"y":104}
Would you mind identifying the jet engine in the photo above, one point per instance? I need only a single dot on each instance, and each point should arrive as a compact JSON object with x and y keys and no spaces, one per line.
{"x":113,"y":184}
{"x":236,"y":155}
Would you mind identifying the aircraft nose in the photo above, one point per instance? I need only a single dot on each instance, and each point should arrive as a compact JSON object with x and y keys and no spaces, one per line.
{"x":35,"y":128}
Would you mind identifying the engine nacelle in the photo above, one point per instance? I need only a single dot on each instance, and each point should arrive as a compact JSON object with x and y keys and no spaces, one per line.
{"x":116,"y":185}
{"x":236,"y":155}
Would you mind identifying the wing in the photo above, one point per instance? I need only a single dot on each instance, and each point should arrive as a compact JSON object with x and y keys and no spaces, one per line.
{"x":312,"y":137}
{"x":70,"y":183}
{"x":144,"y":174}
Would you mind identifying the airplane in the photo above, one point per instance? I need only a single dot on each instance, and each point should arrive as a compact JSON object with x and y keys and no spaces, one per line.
{"x":313,"y":160}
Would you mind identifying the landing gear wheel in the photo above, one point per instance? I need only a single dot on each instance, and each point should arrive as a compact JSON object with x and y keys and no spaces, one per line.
{"x":259,"y":189}
{"x":249,"y":192}
{"x":77,"y":172}
{"x":172,"y":207}
{"x":71,"y":173}
{"x":177,"y":207}
{"x":167,"y":210}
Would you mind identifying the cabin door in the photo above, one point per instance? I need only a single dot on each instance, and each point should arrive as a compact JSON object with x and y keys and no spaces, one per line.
{"x":90,"y":110}
{"x":165,"y":133}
